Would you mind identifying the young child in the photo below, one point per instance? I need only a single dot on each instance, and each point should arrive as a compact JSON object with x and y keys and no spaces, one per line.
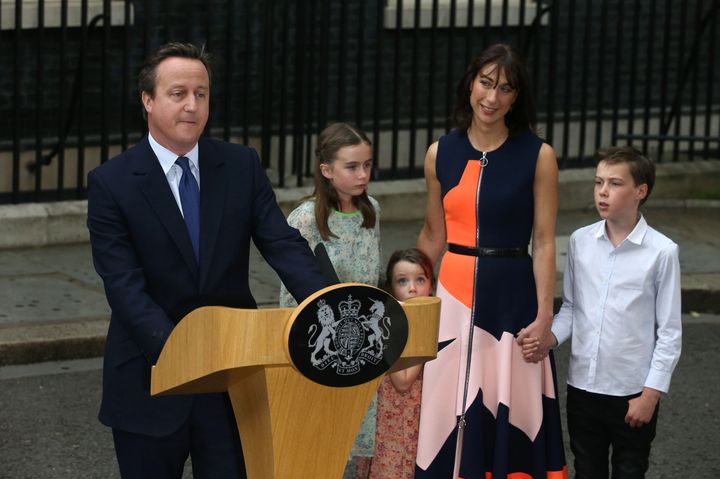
{"x":621,"y":309}
{"x":342,"y":216}
{"x":409,"y":274}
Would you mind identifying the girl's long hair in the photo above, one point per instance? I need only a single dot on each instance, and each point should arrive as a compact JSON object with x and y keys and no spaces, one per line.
{"x":330,"y":140}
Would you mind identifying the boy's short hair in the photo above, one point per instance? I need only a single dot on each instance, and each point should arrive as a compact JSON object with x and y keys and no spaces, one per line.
{"x":641,"y":168}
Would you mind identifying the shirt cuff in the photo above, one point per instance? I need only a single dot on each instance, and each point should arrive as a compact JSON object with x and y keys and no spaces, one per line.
{"x":561,"y":332}
{"x":659,"y":380}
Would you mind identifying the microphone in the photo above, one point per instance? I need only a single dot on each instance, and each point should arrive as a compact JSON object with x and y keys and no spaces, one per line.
{"x":326,"y":266}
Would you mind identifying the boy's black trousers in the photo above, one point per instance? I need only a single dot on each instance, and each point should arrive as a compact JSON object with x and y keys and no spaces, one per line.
{"x":595,"y":423}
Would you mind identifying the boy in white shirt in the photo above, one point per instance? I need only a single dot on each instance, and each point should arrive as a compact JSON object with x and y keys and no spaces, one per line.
{"x":621,"y":309}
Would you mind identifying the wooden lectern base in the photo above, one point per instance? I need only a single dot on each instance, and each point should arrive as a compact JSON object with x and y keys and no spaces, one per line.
{"x":302,"y":434}
{"x":290,"y":426}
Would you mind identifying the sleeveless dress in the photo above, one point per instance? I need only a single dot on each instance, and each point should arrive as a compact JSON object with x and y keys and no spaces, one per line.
{"x":512,"y":414}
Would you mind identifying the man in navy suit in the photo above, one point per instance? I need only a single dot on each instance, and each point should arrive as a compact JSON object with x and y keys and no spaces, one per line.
{"x":170,"y":225}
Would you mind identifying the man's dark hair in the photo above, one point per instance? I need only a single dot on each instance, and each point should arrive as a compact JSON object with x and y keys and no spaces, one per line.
{"x":641,"y":168}
{"x":507,"y":59}
{"x":147,"y":78}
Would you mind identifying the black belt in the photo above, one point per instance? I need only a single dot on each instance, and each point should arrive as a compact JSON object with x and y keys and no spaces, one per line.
{"x":495,"y":252}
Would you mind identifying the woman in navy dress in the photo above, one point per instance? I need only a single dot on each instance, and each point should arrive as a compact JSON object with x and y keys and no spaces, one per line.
{"x":492,"y":185}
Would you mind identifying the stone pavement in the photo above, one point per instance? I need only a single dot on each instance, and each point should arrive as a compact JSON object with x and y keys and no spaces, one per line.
{"x":52,"y":304}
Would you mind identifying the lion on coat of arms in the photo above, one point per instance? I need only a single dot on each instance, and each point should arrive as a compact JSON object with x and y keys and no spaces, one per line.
{"x":326,"y":317}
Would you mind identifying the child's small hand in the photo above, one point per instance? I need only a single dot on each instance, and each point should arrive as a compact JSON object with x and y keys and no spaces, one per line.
{"x":642,"y":408}
{"x":530,"y":348}
{"x":542,"y":340}
{"x":534,"y":351}
{"x":403,"y":380}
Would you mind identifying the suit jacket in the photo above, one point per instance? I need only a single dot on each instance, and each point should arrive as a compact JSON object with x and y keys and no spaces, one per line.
{"x":142,"y":251}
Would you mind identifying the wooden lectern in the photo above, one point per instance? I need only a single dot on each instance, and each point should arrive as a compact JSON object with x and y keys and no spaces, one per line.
{"x":290,"y":426}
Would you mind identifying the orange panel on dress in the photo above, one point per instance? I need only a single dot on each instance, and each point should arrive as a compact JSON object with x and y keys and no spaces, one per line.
{"x":457,"y":271}
{"x":459,"y":205}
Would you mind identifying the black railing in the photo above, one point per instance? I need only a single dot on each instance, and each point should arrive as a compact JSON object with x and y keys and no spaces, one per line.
{"x":608,"y":72}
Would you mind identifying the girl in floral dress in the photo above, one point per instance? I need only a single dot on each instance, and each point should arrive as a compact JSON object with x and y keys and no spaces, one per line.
{"x":342,"y":217}
{"x":409,"y":274}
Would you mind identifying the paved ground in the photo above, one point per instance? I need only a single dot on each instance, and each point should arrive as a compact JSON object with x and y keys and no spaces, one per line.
{"x":49,"y":430}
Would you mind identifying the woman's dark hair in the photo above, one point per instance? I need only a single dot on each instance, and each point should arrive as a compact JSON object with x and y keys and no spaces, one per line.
{"x":522,"y":114}
{"x":641,"y":168}
{"x":147,"y":78}
{"x":330,"y":140}
{"x":411,"y":255}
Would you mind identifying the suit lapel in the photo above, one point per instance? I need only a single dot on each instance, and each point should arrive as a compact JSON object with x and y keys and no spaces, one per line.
{"x":154,"y":186}
{"x":213,"y":183}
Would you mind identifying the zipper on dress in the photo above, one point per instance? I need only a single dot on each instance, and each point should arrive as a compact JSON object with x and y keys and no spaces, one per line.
{"x":461,"y":422}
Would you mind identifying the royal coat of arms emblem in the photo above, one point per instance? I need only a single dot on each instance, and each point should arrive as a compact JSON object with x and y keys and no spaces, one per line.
{"x":348,"y":335}
{"x":352,"y":340}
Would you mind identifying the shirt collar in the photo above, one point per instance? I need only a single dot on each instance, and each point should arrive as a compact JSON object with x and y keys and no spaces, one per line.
{"x":167,"y":158}
{"x":636,"y":235}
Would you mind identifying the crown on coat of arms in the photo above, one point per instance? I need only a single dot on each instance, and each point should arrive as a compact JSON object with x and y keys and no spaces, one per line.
{"x":350,"y":308}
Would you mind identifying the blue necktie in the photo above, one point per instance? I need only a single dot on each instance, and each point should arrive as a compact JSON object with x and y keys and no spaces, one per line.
{"x":190,"y":200}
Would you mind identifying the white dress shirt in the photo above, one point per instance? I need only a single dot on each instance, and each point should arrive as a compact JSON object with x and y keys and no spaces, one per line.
{"x":172,"y":171}
{"x":621,"y":306}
